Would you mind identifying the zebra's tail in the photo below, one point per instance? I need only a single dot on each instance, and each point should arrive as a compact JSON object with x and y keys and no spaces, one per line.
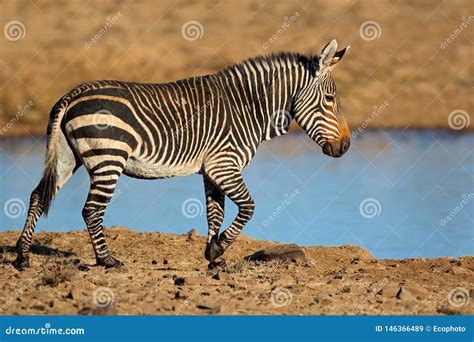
{"x":48,"y":183}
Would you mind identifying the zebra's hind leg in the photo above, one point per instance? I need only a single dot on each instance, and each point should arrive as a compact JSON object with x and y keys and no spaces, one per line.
{"x":65,"y":167}
{"x":230,"y":182}
{"x":215,"y":200}
{"x":23,"y":244}
{"x":100,"y":194}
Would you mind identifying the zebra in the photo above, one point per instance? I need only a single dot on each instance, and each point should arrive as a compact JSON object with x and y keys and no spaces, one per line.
{"x":211,"y":125}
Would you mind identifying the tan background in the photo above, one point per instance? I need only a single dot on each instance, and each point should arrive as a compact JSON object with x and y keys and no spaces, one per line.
{"x":421,"y":82}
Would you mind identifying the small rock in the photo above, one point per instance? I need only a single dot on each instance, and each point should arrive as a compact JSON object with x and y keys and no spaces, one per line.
{"x":390,"y":290}
{"x":322,"y":299}
{"x":456,"y":270}
{"x":180,"y":295}
{"x":418,"y":292}
{"x":154,"y":262}
{"x":346,"y":289}
{"x":223,"y":276}
{"x":404,"y":294}
{"x":165,"y":262}
{"x":212,"y":309}
{"x":83,"y":268}
{"x":70,"y":295}
{"x":287,"y":252}
{"x":38,"y":307}
{"x":192,"y":234}
{"x":179,"y":281}
{"x":84,"y":311}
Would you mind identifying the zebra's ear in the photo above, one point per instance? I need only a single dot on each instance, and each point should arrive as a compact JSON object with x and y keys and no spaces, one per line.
{"x":326,"y":57}
{"x":338,"y":56}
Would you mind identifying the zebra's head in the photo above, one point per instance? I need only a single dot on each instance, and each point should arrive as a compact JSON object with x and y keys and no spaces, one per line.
{"x":317,"y":108}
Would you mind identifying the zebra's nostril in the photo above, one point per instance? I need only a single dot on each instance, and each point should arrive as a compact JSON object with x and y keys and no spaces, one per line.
{"x":327,"y":149}
{"x":345,"y":145}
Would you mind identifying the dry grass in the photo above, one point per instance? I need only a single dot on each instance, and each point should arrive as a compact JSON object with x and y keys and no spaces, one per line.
{"x":406,"y":66}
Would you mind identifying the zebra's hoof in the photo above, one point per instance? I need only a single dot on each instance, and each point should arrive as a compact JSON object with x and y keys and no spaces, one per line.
{"x":218,"y":264}
{"x":21,"y":263}
{"x":213,"y":251}
{"x":109,"y":262}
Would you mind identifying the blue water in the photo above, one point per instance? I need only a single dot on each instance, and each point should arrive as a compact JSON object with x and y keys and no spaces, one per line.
{"x":391,"y":193}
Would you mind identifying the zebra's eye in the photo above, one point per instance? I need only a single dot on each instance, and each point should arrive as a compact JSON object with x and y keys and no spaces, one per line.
{"x":329,"y":98}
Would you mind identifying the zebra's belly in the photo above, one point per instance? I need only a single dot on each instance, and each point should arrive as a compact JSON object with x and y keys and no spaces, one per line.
{"x":142,"y":169}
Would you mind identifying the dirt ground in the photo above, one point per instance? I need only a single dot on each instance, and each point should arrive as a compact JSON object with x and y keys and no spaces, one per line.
{"x":167,"y":274}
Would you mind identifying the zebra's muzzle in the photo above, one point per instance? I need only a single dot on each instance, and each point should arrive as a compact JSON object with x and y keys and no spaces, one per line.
{"x":336,"y":148}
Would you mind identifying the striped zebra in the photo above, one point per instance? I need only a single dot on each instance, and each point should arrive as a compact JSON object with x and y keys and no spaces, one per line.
{"x":210,"y":125}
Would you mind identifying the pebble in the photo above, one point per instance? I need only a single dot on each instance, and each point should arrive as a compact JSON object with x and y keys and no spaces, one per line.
{"x":404,"y":294}
{"x":179,"y":281}
{"x":322,"y":299}
{"x":213,"y":309}
{"x":390,"y":290}
{"x":192,"y":235}
{"x":287,"y":252}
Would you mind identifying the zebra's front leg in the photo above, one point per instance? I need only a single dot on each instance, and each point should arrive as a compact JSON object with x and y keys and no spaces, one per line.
{"x":230,"y":183}
{"x":100,"y":194}
{"x":215,"y":200}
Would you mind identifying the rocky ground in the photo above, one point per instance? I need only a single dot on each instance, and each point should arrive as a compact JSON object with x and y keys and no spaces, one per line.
{"x":167,"y":274}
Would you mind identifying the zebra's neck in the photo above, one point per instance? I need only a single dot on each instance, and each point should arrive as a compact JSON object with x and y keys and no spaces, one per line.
{"x":263,"y":91}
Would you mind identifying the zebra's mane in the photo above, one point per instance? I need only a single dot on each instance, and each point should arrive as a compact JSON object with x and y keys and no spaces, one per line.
{"x":271,"y":60}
